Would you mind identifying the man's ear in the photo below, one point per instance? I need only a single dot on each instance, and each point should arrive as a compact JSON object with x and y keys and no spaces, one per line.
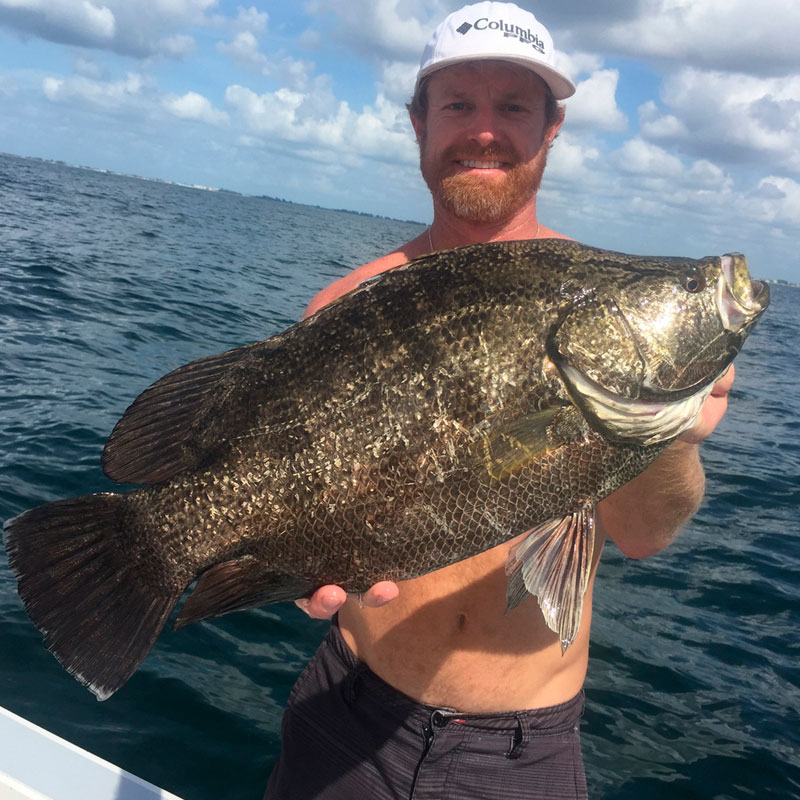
{"x":418,"y":125}
{"x":552,"y":130}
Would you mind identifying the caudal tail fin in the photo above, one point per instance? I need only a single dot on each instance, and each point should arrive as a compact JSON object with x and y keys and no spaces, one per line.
{"x":81,"y":590}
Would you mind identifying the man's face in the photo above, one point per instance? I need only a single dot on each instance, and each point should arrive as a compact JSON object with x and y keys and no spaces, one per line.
{"x":483,"y":144}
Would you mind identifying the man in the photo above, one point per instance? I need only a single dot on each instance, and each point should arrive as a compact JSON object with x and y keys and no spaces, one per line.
{"x":429,"y":689}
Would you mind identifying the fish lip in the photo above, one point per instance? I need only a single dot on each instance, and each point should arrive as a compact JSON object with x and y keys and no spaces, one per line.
{"x":761,"y":293}
{"x":737,"y":311}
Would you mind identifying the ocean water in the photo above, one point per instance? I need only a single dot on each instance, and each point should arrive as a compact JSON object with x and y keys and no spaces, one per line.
{"x":108,"y":282}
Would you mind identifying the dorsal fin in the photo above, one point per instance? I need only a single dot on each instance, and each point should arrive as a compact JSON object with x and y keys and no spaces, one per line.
{"x":150,"y":443}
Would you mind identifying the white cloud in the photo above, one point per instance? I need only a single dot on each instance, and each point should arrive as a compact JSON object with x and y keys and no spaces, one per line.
{"x":734,"y":35}
{"x":317,"y":119}
{"x":134,"y":95}
{"x":705,"y":175}
{"x":68,"y":21}
{"x":735,"y":117}
{"x":643,"y":198}
{"x":577,"y":63}
{"x":640,"y":158}
{"x":194,"y":106}
{"x":244,"y":49}
{"x":83,"y":65}
{"x":251,"y":19}
{"x":397,"y":81}
{"x":177,"y":46}
{"x":87,"y":92}
{"x":655,"y":125}
{"x":130,"y":28}
{"x":571,"y":160}
{"x":594,"y":105}
{"x":310,"y":40}
{"x":777,"y":200}
{"x":382,"y":30}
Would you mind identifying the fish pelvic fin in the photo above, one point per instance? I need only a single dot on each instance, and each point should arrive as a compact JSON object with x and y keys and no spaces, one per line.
{"x":235,"y":585}
{"x":81,"y":591}
{"x":554,"y":563}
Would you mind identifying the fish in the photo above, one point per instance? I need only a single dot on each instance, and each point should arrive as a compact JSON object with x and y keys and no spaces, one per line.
{"x":438,"y":410}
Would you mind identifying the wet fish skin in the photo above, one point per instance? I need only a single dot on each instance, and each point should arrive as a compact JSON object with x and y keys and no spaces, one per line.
{"x":423,"y":418}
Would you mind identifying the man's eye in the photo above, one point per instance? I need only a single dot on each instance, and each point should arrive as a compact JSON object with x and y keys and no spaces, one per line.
{"x":457,"y":106}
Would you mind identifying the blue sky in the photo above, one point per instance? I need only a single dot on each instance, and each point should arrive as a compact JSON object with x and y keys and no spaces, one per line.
{"x":683,"y":137}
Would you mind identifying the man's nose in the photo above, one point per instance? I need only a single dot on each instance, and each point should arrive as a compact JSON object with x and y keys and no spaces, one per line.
{"x":484,"y":128}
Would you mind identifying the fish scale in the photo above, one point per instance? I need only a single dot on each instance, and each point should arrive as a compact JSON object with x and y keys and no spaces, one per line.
{"x":439,"y":410}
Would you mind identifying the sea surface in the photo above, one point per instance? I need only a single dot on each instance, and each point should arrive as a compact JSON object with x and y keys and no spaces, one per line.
{"x":107,"y":282}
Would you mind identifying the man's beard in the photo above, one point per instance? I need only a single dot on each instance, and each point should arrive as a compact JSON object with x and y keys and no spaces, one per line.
{"x":475,"y":199}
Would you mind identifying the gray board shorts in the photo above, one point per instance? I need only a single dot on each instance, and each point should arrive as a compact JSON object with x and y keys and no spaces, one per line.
{"x":348,"y":735}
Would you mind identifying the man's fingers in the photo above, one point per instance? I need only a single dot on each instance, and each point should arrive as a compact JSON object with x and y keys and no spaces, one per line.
{"x":723,"y":385}
{"x":324,"y":603}
{"x":712,"y":411}
{"x":379,"y":594}
{"x":327,"y":600}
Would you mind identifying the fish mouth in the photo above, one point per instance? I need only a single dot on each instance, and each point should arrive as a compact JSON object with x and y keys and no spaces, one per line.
{"x":740,"y":300}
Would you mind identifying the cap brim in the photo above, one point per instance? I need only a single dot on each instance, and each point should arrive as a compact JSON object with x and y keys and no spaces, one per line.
{"x":560,"y":85}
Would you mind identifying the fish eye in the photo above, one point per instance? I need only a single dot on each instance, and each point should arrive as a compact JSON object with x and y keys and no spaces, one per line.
{"x":693,"y":282}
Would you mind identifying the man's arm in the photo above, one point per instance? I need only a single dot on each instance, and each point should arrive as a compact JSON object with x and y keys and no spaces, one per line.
{"x":646,"y":514}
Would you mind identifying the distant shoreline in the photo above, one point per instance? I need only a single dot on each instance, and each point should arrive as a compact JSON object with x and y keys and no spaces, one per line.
{"x":782,"y":282}
{"x":202,"y":188}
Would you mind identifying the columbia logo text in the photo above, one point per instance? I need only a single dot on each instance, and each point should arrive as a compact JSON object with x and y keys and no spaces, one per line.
{"x":523,"y":34}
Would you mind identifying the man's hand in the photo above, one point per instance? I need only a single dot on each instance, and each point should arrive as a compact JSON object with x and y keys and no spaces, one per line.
{"x":712,"y":411}
{"x":327,"y":600}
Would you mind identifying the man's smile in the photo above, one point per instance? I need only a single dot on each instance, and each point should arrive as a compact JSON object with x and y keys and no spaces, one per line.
{"x":482,"y":164}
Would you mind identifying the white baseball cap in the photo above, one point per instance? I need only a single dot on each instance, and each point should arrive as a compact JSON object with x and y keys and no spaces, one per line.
{"x":500,"y":31}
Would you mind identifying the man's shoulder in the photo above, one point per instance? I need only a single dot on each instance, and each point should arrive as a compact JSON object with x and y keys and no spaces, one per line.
{"x":360,"y":274}
{"x":549,"y":233}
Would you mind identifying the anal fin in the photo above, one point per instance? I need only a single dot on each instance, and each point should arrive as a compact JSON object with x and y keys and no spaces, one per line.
{"x":235,"y":585}
{"x":554,"y":563}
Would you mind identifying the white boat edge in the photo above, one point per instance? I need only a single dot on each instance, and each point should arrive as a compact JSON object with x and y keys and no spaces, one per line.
{"x":12,"y":789}
{"x":35,"y":764}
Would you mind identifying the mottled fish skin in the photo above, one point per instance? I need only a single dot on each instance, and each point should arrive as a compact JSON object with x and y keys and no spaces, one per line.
{"x":415,"y":422}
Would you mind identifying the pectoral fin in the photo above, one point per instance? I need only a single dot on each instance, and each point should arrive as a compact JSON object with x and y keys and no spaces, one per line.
{"x":554,"y":563}
{"x":513,"y":444}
